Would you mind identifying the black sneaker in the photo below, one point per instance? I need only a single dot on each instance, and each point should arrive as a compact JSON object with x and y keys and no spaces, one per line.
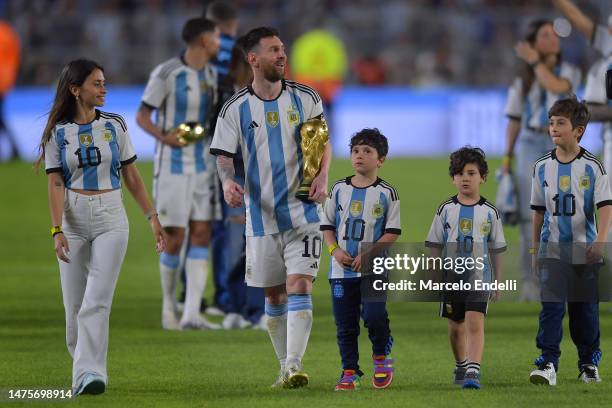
{"x":589,"y":373}
{"x":459,"y":374}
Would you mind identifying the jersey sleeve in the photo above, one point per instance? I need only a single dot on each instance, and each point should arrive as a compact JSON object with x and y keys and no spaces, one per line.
{"x":127,"y":154}
{"x":393,"y":224}
{"x":602,"y":40}
{"x":328,"y":221}
{"x":156,"y":90}
{"x":435,"y":238}
{"x":595,"y":87}
{"x":514,"y":103}
{"x":603,"y":196}
{"x":537,"y":201}
{"x":226,"y":138}
{"x":572,"y":74}
{"x":53,"y":161}
{"x":497,"y":240}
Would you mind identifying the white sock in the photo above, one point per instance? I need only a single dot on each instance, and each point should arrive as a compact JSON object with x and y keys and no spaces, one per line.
{"x":196,"y":272}
{"x":299,"y":323}
{"x":277,"y":329}
{"x":168,"y":265}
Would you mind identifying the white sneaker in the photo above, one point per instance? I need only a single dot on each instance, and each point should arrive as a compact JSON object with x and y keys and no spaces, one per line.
{"x":199,"y":323}
{"x":214,"y":311}
{"x":589,"y":373}
{"x":169,"y":320}
{"x":262,"y":324}
{"x":235,"y":321}
{"x":544,"y":375}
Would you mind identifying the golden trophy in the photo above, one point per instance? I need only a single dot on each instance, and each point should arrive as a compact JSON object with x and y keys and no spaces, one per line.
{"x":190,"y":132}
{"x":315,"y":135}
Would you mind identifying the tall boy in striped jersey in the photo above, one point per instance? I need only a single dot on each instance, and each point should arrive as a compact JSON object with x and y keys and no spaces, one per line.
{"x":361,"y":208}
{"x":568,"y":183}
{"x":183,"y":90}
{"x":468,"y":225}
{"x":283,"y":241}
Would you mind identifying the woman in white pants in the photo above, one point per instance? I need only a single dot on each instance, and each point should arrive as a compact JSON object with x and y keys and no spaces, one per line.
{"x":84,"y":149}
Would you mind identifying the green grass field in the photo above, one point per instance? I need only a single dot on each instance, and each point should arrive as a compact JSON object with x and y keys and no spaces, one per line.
{"x":151,"y":367}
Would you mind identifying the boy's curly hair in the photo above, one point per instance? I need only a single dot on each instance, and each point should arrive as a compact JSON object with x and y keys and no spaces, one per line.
{"x":373,"y":138}
{"x":465,"y":155}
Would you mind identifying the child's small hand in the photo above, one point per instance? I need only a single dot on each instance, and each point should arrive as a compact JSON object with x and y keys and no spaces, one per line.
{"x":356,"y":265}
{"x":595,"y":253}
{"x":495,"y":295}
{"x":342,"y":257}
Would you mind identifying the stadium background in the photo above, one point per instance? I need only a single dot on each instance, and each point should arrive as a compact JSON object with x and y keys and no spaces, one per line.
{"x":430,"y":74}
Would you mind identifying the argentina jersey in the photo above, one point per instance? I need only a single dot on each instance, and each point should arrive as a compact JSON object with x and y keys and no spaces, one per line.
{"x":359,"y":215}
{"x":595,"y":91}
{"x":467,"y":231}
{"x":568,"y":194}
{"x":181,"y":94}
{"x":268,"y":133}
{"x":89,"y":156}
{"x":532,"y":109}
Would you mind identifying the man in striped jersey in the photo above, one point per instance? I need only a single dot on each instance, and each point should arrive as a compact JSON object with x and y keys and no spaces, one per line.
{"x":183,"y":89}
{"x":283,"y":238}
{"x":568,"y":184}
{"x":467,"y":226}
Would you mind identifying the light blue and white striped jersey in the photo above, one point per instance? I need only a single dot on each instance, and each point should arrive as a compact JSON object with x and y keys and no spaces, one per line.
{"x":568,"y":193}
{"x":595,"y":88}
{"x":89,"y":156}
{"x":359,"y":215}
{"x":467,"y":231}
{"x":602,"y":39}
{"x":181,"y":94}
{"x":532,"y":109}
{"x":268,"y":133}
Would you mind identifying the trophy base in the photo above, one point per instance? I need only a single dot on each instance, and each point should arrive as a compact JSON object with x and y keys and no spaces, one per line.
{"x":303,"y":193}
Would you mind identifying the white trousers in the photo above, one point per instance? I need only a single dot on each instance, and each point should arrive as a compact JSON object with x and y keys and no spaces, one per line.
{"x":97,"y":231}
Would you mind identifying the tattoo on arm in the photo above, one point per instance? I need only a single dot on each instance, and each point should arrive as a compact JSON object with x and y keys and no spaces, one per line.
{"x":225,"y":168}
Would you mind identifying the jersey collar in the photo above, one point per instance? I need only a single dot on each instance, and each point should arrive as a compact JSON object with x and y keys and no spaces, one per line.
{"x":252,"y":92}
{"x":480,"y":202}
{"x":348,"y":181}
{"x":88,"y":123}
{"x":579,"y":155}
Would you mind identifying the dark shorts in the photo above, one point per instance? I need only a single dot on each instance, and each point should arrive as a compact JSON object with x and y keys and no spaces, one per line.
{"x":456,"y":310}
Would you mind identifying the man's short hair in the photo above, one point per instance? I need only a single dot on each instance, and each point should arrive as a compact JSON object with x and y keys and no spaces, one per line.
{"x":253,"y":37}
{"x":372,"y":138}
{"x":220,"y":12}
{"x":196,"y":26}
{"x":466,"y":155}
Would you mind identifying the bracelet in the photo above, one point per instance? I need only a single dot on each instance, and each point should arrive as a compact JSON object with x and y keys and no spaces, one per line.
{"x":506,"y":160}
{"x":56,"y":230}
{"x":150,"y":214}
{"x":533,"y":250}
{"x":333,"y":247}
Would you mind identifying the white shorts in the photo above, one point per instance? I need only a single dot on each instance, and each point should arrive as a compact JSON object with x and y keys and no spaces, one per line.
{"x":271,"y":258}
{"x":180,"y":198}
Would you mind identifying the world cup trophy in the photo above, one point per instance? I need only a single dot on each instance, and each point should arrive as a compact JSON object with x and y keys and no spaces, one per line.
{"x":315,"y":135}
{"x":190,"y":132}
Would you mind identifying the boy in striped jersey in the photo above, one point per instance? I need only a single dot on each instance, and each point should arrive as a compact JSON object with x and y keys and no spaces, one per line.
{"x":360,"y":208}
{"x":568,"y":183}
{"x":467,"y":225}
{"x":183,"y":89}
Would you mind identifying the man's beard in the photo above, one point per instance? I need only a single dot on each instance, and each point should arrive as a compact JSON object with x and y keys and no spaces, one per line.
{"x":271,"y":74}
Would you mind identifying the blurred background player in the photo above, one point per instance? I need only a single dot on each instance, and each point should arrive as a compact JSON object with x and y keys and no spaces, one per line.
{"x":227,"y":233}
{"x":568,"y":184}
{"x":183,"y":89}
{"x":469,"y":225}
{"x":245,"y":306}
{"x":361,"y":208}
{"x":83,"y":150}
{"x":600,"y":37}
{"x":543,"y":78}
{"x":283,"y":240}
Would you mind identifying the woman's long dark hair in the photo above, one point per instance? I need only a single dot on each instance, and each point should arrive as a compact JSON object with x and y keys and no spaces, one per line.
{"x":526,"y":72}
{"x":64,"y":104}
